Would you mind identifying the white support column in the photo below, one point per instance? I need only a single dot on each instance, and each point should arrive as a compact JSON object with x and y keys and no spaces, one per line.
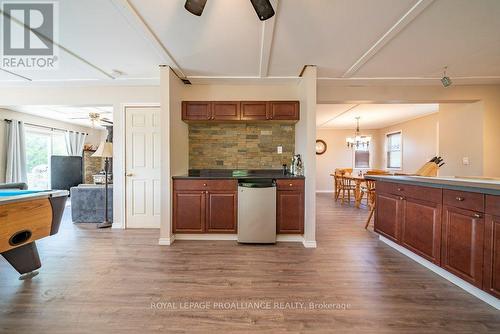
{"x":305,"y":142}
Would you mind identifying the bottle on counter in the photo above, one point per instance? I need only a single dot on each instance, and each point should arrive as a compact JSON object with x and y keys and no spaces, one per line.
{"x":293,"y":165}
{"x":300,"y":166}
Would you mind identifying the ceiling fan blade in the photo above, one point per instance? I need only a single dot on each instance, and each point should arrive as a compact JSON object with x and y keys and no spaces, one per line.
{"x":195,"y":6}
{"x":104,"y":120}
{"x":263,"y":8}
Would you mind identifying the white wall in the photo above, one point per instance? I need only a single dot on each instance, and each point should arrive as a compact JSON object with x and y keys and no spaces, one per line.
{"x":338,"y":155}
{"x":94,"y":135}
{"x":330,"y":92}
{"x":461,"y":134}
{"x":118,"y":96}
{"x":420,"y":142}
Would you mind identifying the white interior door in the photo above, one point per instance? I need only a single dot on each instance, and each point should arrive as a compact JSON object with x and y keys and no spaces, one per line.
{"x":142,"y":167}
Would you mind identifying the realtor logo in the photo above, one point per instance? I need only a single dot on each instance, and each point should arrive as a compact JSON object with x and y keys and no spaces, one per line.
{"x":28,"y":34}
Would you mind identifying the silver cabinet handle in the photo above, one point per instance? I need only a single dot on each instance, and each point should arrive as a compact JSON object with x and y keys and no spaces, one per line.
{"x":460,"y":199}
{"x":400,"y":189}
{"x":477,"y":215}
{"x":129,"y":174}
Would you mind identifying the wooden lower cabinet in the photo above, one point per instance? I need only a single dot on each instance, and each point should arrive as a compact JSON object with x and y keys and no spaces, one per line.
{"x":205,"y":206}
{"x":491,"y":279}
{"x":421,"y":229}
{"x":221,"y":212}
{"x":388,"y":215}
{"x":463,"y":243}
{"x":290,"y":211}
{"x":189,"y":211}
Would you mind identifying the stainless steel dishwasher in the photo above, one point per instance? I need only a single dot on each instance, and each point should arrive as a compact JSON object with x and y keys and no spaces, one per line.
{"x":257,"y":211}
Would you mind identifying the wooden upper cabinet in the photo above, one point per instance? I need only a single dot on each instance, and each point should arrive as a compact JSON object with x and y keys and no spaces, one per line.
{"x":421,"y":229}
{"x":254,"y":110}
{"x":225,"y":111}
{"x":462,"y":244}
{"x":196,"y":111}
{"x":284,"y":110}
{"x":388,"y":215}
{"x":240,"y":111}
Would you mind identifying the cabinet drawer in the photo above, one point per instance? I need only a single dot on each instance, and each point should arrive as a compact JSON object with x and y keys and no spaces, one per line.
{"x":290,"y":184}
{"x":493,"y":205}
{"x":231,"y":185}
{"x":464,"y":200}
{"x":428,"y":194}
{"x":406,"y":190}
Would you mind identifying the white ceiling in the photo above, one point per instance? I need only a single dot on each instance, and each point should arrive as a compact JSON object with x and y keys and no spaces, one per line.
{"x":356,"y":40}
{"x":372,"y":116}
{"x":69,"y":114}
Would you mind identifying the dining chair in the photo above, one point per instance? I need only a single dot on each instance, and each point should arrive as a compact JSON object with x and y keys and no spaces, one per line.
{"x":371,"y":196}
{"x":346,"y":185}
{"x":337,"y":175}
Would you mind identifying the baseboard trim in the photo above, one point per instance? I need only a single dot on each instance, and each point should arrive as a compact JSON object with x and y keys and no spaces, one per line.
{"x":167,"y":241}
{"x":478,"y":293}
{"x":309,"y":243}
{"x":289,"y":238}
{"x":231,"y":237}
{"x":205,"y":236}
{"x":324,"y":191}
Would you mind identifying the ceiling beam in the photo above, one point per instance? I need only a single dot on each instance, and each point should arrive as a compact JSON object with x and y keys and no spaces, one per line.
{"x":338,"y":115}
{"x":267,"y":41}
{"x":138,"y":22}
{"x":408,"y":17}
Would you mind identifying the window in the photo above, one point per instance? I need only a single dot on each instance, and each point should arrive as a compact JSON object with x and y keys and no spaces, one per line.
{"x":41,"y":144}
{"x":362,"y":158}
{"x":394,"y":149}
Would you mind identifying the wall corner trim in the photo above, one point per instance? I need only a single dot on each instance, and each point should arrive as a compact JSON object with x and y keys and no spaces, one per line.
{"x":166,"y":241}
{"x":310,"y":243}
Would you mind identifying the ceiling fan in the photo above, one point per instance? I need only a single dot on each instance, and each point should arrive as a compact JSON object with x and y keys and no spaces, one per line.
{"x":263,"y":8}
{"x":95,"y":118}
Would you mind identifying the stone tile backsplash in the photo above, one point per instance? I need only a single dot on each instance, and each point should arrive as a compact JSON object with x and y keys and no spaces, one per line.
{"x":240,"y":146}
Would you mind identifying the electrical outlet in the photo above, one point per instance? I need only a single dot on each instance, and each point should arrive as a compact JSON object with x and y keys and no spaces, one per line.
{"x":280,"y":149}
{"x":465,"y":161}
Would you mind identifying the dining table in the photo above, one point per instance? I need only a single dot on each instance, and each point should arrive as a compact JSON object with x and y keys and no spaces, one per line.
{"x":358,"y":181}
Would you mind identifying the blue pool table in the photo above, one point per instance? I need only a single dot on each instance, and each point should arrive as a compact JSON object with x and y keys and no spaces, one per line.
{"x":27,"y":216}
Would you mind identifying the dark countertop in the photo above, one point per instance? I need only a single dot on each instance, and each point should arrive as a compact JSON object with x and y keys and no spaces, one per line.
{"x":236,"y":174}
{"x":478,"y":185}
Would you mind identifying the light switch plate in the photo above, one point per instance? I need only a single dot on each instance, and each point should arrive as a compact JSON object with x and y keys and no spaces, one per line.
{"x":280,"y":149}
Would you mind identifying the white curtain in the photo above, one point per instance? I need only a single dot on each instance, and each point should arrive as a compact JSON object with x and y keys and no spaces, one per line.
{"x":74,"y":143}
{"x":16,"y":153}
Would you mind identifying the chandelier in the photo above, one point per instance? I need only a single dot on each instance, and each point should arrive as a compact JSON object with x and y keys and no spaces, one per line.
{"x":358,"y":141}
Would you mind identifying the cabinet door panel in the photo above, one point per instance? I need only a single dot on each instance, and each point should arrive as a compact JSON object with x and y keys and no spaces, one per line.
{"x":189,"y":211}
{"x":421,"y":229}
{"x":225,"y":111}
{"x":290,"y":212}
{"x":388,"y":215}
{"x":284,"y":110}
{"x":254,"y":110}
{"x":462,"y":244}
{"x":221,"y":212}
{"x":196,"y":111}
{"x":492,"y":255}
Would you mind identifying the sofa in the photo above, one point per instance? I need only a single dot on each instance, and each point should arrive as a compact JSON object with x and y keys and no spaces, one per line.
{"x":9,"y":186}
{"x":87,"y":203}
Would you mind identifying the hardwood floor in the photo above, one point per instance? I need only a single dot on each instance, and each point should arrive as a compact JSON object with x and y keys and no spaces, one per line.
{"x":100,"y":281}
